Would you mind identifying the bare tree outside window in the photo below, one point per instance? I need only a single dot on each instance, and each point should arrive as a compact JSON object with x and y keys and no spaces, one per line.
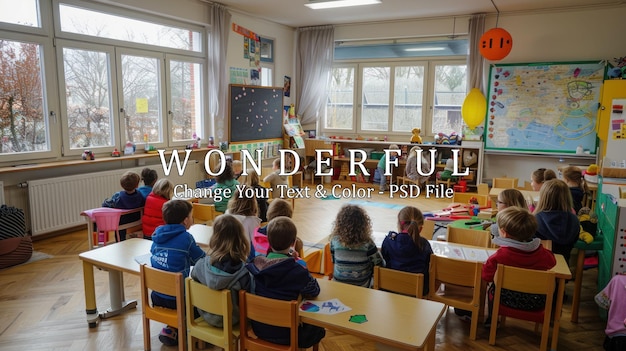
{"x":23,"y":122}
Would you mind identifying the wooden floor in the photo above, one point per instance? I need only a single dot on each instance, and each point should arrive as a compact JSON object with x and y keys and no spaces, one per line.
{"x":42,"y":304}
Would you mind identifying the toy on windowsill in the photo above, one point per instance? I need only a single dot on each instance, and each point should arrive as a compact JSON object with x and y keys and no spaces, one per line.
{"x":452,"y":139}
{"x":416,"y":138}
{"x":115,"y":153}
{"x":129,"y":148}
{"x":88,"y":155}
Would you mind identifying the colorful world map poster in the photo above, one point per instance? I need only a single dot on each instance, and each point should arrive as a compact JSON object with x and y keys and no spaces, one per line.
{"x":543,"y":107}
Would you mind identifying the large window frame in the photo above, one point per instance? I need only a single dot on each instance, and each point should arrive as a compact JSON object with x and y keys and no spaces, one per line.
{"x":164,"y":57}
{"x":428,"y":95}
{"x":52,"y":41}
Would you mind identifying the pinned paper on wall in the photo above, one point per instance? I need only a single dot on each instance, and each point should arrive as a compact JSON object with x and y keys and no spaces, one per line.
{"x":141,"y":105}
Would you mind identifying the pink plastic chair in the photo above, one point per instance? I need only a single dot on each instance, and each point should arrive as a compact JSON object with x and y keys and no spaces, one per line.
{"x":107,"y":220}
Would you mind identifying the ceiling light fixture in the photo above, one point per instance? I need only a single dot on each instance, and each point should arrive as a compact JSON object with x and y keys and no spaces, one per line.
{"x":431,"y":48}
{"x":325,"y":4}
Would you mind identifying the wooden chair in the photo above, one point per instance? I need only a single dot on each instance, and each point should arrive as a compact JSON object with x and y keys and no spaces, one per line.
{"x":473,"y":237}
{"x":622,"y":192}
{"x":168,"y":283}
{"x":217,"y":302}
{"x":428,"y":230}
{"x":463,"y":286}
{"x":504,"y":183}
{"x":547,"y":244}
{"x":527,"y":281}
{"x":448,"y":182}
{"x":274,"y":312}
{"x":204,"y":213}
{"x":464,"y":198}
{"x":320,"y":263}
{"x":482,"y":189}
{"x":399,"y":282}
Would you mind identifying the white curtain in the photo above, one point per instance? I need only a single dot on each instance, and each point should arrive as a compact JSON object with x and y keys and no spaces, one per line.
{"x":475,"y":60}
{"x":314,"y":60}
{"x":218,"y":78}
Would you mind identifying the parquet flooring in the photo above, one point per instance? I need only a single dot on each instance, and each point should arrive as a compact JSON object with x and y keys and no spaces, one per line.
{"x":42,"y":303}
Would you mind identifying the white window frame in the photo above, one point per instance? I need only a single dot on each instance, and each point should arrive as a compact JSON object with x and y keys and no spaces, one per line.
{"x":427,"y":99}
{"x":51,"y":106}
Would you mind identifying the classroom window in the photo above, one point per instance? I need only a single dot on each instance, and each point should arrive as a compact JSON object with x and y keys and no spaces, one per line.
{"x":393,"y":95}
{"x":340,"y":100}
{"x":185,"y":99}
{"x":450,"y":89}
{"x":88,"y":100}
{"x":23,"y":116}
{"x":22,"y":12}
{"x":111,"y":26}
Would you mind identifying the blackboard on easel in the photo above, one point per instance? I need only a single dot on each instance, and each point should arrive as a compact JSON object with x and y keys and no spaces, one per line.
{"x":255,"y":113}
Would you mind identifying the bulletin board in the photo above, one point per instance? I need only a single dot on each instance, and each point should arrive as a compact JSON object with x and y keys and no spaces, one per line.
{"x":255,"y":113}
{"x":543,"y":107}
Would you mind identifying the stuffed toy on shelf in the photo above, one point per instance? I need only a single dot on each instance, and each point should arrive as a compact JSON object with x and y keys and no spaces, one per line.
{"x":416,"y":138}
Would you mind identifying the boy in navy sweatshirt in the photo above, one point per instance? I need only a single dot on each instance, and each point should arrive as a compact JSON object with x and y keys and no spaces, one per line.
{"x":279,"y":276}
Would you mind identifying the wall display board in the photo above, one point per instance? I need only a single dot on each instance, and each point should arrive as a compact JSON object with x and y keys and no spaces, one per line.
{"x":255,"y":113}
{"x":543,"y":107}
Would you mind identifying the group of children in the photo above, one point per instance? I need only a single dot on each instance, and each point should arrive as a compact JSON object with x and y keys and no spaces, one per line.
{"x":275,"y":270}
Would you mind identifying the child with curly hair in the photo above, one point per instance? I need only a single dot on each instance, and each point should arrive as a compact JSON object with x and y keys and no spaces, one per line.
{"x":352,"y":247}
{"x":406,"y":250}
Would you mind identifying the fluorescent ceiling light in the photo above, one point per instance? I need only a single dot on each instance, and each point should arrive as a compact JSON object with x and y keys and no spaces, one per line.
{"x":316,"y":5}
{"x":432,"y":48}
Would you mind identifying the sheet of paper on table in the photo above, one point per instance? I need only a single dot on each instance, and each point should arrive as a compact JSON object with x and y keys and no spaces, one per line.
{"x":333,"y":306}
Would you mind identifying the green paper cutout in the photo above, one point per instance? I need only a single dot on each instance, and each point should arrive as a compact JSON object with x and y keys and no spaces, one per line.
{"x":358,"y":318}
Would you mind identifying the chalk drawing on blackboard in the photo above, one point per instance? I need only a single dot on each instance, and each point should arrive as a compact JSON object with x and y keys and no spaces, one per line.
{"x":255,"y":113}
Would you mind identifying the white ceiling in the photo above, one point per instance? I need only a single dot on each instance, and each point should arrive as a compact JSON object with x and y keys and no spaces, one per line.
{"x":293,"y":13}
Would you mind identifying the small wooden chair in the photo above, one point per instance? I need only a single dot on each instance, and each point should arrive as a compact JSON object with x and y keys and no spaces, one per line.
{"x":504,"y":183}
{"x":204,"y":213}
{"x":274,"y":312}
{"x":399,"y":282}
{"x":167,"y":283}
{"x":217,"y":302}
{"x":526,"y":281}
{"x":464,"y":287}
{"x":473,"y":237}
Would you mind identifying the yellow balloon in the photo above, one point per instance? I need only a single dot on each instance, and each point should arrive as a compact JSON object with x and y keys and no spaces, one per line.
{"x":474,"y":108}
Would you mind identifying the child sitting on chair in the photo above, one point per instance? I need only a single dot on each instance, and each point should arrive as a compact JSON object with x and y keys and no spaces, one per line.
{"x":352,"y":248}
{"x":162,"y":191}
{"x":275,"y":179}
{"x":407,"y":250}
{"x":224,"y":267}
{"x":245,"y":209}
{"x":127,"y":199}
{"x":149,"y":177}
{"x":518,"y":248}
{"x":612,"y":298}
{"x":173,"y":250}
{"x":381,"y":165}
{"x":279,"y":276}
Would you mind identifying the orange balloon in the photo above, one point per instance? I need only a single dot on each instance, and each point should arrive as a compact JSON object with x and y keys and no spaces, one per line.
{"x":495,"y":44}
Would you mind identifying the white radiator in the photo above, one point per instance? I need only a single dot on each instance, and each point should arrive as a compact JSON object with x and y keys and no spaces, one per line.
{"x":56,"y":203}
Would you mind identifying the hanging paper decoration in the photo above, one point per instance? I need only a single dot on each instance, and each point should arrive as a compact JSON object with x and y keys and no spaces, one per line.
{"x":495,"y":44}
{"x":474,"y":108}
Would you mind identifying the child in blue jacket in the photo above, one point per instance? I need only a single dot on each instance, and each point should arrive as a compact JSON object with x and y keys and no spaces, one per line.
{"x":173,"y":250}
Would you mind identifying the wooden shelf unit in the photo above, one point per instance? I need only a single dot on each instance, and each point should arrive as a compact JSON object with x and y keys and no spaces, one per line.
{"x":443,"y":152}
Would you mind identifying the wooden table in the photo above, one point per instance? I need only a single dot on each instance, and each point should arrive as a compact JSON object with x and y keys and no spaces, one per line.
{"x":119,"y":258}
{"x":561,"y":270}
{"x":392,"y":319}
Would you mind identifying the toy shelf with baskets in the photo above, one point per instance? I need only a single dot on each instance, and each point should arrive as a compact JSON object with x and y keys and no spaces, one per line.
{"x":470,"y":155}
